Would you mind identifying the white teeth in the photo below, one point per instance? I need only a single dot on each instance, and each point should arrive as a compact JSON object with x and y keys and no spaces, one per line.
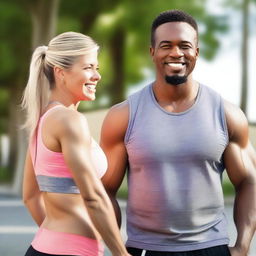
{"x":175,"y":65}
{"x":91,"y":87}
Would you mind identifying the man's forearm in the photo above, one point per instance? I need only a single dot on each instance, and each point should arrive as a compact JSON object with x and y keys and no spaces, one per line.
{"x":116,"y":209}
{"x":245,"y":215}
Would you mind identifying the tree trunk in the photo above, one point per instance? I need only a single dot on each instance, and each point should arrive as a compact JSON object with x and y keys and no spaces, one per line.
{"x":245,"y":35}
{"x":20,"y":145}
{"x":44,"y":19}
{"x":117,"y":89}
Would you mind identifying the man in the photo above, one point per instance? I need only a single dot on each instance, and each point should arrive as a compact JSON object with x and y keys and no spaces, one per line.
{"x":176,"y":136}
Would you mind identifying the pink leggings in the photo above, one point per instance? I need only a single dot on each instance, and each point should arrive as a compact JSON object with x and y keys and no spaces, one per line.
{"x":53,"y":242}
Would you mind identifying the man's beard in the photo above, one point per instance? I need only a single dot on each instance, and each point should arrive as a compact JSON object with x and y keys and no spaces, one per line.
{"x":176,"y":80}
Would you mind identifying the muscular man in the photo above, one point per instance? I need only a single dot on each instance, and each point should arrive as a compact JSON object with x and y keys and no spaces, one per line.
{"x":176,"y":136}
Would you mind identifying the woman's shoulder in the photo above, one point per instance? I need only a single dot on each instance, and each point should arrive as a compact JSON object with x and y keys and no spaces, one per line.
{"x":63,"y":119}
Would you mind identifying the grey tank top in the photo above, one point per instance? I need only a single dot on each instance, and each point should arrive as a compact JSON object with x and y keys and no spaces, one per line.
{"x":175,"y":198}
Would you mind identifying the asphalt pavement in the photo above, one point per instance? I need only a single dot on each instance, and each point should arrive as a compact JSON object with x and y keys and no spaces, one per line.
{"x":17,"y":228}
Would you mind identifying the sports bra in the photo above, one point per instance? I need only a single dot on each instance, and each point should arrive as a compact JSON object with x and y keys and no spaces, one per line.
{"x":52,"y":173}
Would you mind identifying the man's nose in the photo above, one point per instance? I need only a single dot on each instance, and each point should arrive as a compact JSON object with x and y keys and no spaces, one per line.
{"x":176,"y":52}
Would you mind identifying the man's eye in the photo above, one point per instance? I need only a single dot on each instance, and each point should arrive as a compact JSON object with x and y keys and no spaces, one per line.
{"x":185,"y":46}
{"x":165,"y":46}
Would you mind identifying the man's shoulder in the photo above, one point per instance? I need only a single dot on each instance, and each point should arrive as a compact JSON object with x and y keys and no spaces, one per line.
{"x":141,"y":91}
{"x":209,"y":89}
{"x":117,"y":113}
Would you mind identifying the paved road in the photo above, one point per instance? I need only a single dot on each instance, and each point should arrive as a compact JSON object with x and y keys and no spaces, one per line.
{"x":17,"y":228}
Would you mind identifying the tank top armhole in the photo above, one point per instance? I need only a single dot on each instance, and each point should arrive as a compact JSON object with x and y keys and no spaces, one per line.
{"x":223,"y":119}
{"x":133,"y":102}
{"x":130,"y":121}
{"x":31,"y":147}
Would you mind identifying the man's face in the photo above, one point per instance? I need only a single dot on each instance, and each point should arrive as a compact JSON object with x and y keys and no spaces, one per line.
{"x":175,"y":51}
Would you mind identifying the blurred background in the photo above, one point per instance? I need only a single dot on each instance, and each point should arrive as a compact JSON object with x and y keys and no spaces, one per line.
{"x":122,"y":29}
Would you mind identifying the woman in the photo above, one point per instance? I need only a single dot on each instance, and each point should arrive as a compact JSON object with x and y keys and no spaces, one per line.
{"x":61,"y":187}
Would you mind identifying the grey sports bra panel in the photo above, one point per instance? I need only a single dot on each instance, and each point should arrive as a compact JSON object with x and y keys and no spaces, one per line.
{"x":57,"y":184}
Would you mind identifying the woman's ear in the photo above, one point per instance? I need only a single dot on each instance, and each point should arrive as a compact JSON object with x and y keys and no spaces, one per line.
{"x":58,"y":74}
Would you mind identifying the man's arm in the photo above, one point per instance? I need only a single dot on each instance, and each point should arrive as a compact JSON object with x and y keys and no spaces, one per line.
{"x":112,"y":142}
{"x":240,"y":162}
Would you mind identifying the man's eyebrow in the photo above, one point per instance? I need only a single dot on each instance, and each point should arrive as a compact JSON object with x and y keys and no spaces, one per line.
{"x":169,"y":42}
{"x":165,"y":42}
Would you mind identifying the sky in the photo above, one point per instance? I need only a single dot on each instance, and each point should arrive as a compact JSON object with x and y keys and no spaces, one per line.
{"x":223,"y":73}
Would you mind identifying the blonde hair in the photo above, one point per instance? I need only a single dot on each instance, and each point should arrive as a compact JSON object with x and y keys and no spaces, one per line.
{"x":62,"y":51}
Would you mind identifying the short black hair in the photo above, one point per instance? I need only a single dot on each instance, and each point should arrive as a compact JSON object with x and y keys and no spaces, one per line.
{"x":171,"y":16}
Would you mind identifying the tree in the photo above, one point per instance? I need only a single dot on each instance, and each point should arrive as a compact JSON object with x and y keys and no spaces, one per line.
{"x":127,"y":38}
{"x":245,"y":13}
{"x":14,"y":51}
{"x":120,"y":26}
{"x":43,"y":16}
{"x":244,"y":55}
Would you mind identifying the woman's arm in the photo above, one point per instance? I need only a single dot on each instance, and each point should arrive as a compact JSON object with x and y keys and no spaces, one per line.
{"x":75,"y":141}
{"x":32,"y":196}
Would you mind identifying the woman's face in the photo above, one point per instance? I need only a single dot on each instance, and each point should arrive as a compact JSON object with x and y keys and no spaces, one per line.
{"x":81,"y":79}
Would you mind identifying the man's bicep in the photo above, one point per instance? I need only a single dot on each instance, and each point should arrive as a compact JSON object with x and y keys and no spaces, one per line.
{"x":117,"y":164}
{"x":239,"y":156}
{"x":240,"y":162}
{"x":112,"y":142}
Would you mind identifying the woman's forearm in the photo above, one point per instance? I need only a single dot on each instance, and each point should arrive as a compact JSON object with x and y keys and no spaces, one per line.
{"x":102,"y":214}
{"x":36,"y":208}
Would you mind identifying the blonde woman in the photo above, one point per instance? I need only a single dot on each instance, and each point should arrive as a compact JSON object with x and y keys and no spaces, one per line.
{"x":62,"y":188}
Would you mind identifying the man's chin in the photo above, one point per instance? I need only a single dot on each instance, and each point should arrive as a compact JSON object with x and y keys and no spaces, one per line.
{"x":176,"y":80}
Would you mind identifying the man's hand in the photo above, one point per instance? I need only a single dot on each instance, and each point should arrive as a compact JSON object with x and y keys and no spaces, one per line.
{"x":235,"y":251}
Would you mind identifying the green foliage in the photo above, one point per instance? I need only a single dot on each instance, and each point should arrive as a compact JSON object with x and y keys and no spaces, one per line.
{"x":135,"y":18}
{"x":211,"y":35}
{"x":101,"y":20}
{"x":15,"y":41}
{"x":123,"y":190}
{"x":4,"y":99}
{"x":228,"y":188}
{"x":67,"y":23}
{"x":5,"y":175}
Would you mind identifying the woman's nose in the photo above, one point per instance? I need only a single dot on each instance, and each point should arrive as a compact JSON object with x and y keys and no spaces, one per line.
{"x":96,"y":76}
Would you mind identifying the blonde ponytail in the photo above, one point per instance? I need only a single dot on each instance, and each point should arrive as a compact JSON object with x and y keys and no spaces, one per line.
{"x":36,"y":94}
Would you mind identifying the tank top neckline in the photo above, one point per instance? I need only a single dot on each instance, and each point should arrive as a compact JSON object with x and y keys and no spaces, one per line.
{"x":174,"y":113}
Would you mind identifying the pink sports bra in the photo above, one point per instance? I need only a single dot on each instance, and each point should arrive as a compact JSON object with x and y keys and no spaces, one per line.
{"x":51,"y":171}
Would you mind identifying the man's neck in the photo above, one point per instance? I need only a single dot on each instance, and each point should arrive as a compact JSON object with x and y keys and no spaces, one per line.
{"x":176,"y":98}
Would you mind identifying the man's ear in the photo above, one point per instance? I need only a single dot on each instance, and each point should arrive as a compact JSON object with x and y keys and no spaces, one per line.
{"x":151,"y":51}
{"x":197,"y":52}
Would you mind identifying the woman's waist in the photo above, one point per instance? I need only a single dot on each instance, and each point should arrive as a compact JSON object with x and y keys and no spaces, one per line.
{"x":68,"y":214}
{"x":71,"y":224}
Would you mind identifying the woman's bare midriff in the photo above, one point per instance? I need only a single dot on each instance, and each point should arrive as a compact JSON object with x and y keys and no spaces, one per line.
{"x":67,"y":213}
